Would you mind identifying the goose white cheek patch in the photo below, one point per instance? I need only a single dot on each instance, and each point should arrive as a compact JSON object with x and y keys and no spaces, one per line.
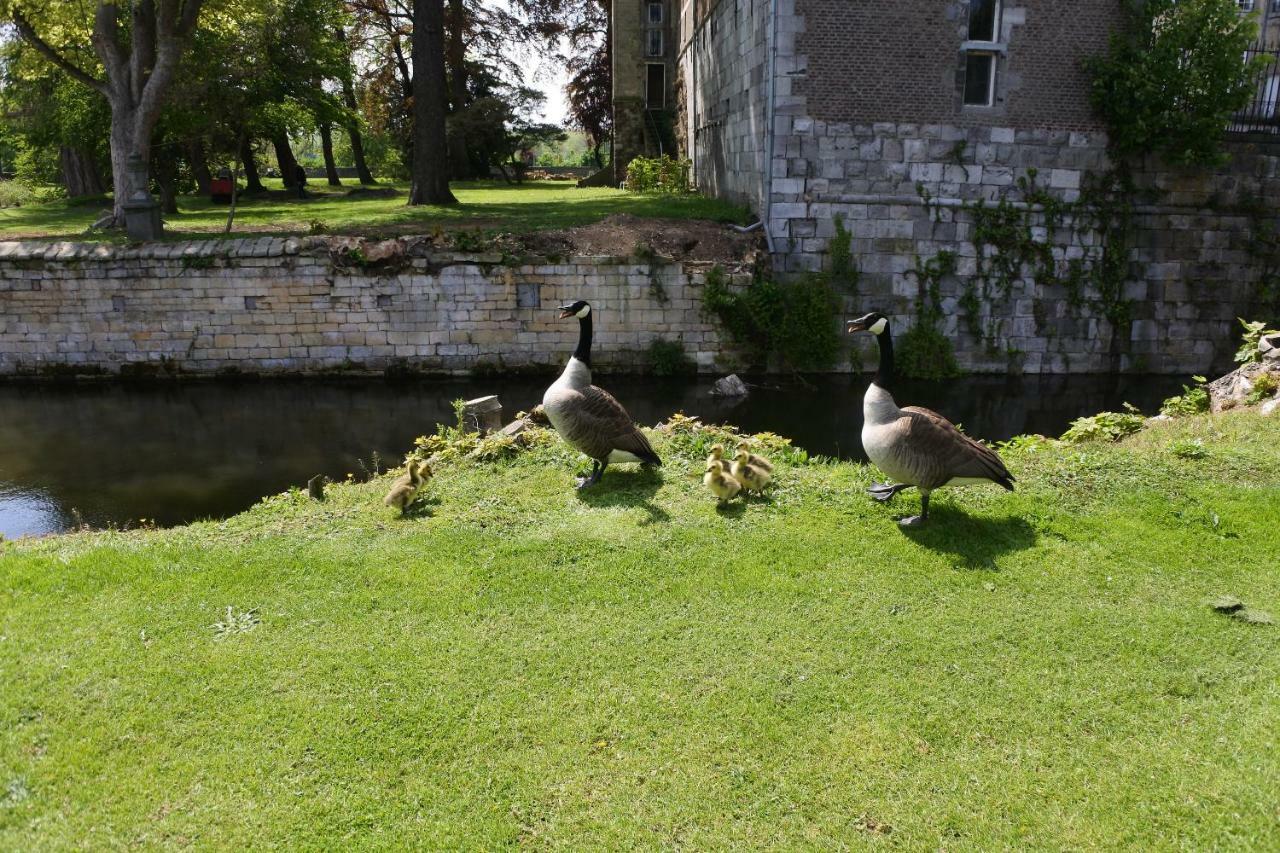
{"x":878,"y":326}
{"x":583,"y":311}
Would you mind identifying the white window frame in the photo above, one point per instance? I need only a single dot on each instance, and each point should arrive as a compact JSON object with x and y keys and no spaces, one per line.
{"x":662,"y":13}
{"x":1245,"y":5}
{"x":993,"y":48}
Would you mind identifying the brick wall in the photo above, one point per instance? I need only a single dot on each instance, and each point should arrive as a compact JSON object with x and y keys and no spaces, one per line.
{"x":900,"y":61}
{"x":291,"y":305}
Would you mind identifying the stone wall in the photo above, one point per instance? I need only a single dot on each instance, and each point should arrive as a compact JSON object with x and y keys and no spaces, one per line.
{"x":314,"y":304}
{"x":867,"y":123}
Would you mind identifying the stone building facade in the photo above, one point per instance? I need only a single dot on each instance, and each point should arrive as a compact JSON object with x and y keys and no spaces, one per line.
{"x":900,"y":117}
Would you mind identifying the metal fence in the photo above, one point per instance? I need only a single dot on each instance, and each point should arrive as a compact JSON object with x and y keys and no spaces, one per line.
{"x":1263,"y":113}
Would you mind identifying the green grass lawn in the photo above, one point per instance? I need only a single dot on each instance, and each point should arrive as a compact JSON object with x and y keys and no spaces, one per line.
{"x":482,"y":204}
{"x":521,"y":663}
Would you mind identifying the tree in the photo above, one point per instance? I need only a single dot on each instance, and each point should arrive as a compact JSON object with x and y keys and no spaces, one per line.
{"x":135,"y":78}
{"x":1174,"y":77}
{"x":430,"y":146}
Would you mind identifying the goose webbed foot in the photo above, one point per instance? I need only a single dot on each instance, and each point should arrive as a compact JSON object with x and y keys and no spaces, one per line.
{"x":884,"y":492}
{"x":917,"y":520}
{"x":597,"y":470}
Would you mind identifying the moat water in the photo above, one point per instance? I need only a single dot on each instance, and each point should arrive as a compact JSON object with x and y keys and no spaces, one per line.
{"x":111,"y":454}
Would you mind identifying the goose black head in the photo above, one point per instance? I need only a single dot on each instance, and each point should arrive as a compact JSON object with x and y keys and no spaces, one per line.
{"x":874,"y":323}
{"x":577,"y":309}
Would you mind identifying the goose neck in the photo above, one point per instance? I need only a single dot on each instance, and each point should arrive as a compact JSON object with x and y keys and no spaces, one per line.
{"x":583,"y":352}
{"x":884,"y":374}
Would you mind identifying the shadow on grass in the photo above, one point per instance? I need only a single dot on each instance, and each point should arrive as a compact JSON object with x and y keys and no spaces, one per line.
{"x":973,"y":541}
{"x":420,"y":508}
{"x":634,"y":488}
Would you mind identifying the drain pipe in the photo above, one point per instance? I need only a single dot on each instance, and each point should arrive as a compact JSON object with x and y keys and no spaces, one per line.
{"x":767,"y":175}
{"x":747,"y":229}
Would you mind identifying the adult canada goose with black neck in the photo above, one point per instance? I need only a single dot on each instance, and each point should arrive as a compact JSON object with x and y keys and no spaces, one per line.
{"x":588,"y":418}
{"x":915,"y":446}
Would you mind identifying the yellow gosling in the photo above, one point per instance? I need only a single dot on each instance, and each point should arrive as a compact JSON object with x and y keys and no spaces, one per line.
{"x":753,"y":479}
{"x":753,"y":459}
{"x":721,"y":484}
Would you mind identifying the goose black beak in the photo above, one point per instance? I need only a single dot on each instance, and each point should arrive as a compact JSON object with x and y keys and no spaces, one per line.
{"x":856,"y":326}
{"x":566,"y":311}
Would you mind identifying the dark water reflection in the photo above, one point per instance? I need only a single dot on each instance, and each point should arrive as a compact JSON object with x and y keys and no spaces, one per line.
{"x":175,"y":453}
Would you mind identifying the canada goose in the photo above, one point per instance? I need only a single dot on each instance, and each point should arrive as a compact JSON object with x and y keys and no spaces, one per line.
{"x":913,"y":445}
{"x":752,"y":477}
{"x":405,"y":487}
{"x":588,"y":418}
{"x":722,"y":485}
{"x":754,"y":459}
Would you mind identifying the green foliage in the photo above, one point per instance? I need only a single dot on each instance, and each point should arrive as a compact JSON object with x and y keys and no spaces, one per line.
{"x":1105,"y":426}
{"x":662,"y":174}
{"x":796,"y":321}
{"x":1264,"y":387}
{"x":844,"y":272}
{"x":1188,"y":448}
{"x":1193,"y":400}
{"x":20,"y":194}
{"x":924,"y":352}
{"x":1173,"y":78}
{"x":668,"y":358}
{"x":691,"y":440}
{"x":1250,"y":342}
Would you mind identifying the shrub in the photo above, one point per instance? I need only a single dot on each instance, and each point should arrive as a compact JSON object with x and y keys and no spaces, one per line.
{"x":1192,"y":401}
{"x":659,"y":175}
{"x":668,"y":358}
{"x":19,"y":193}
{"x":1174,"y":76}
{"x":1263,"y":387}
{"x":925,"y":353}
{"x":1251,"y":341}
{"x":1104,"y":426}
{"x":797,"y":321}
{"x":1192,"y":448}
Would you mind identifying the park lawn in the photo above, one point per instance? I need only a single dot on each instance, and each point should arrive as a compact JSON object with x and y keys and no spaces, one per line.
{"x":482,"y":204}
{"x":521,"y":663}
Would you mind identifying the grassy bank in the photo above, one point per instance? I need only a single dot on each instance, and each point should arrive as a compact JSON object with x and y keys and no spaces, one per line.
{"x":482,"y":204}
{"x":517,"y":662}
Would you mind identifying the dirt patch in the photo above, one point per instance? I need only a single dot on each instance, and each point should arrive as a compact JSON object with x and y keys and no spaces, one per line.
{"x":623,"y":235}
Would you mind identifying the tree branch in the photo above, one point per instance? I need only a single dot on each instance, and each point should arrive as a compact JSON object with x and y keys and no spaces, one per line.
{"x":143,"y":57}
{"x":44,"y":49}
{"x":106,"y":41}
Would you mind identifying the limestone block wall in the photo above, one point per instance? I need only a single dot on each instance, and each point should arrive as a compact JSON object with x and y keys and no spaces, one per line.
{"x":276,"y":305}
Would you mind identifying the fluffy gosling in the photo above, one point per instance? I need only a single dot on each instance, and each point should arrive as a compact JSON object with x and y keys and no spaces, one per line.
{"x":406,"y":487}
{"x":752,"y":478}
{"x":721,"y":484}
{"x":752,"y":459}
{"x":717,"y":454}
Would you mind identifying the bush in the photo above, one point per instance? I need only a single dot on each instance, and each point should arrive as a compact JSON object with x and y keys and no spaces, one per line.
{"x":796,"y":322}
{"x":1173,"y":78}
{"x":1192,"y":401}
{"x":19,"y":193}
{"x":1104,"y":426}
{"x":1192,"y":448}
{"x":667,"y":358}
{"x":659,"y":175}
{"x":1263,"y":387}
{"x":1250,"y":342}
{"x":925,"y":353}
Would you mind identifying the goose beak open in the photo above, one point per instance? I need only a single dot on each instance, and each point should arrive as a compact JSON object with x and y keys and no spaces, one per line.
{"x":856,"y":326}
{"x":566,"y":311}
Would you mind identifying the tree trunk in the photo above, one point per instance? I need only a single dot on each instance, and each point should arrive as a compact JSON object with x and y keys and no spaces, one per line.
{"x":430,"y":149}
{"x":285,"y":159}
{"x":326,"y":146}
{"x":79,"y":173}
{"x":253,"y":183}
{"x":125,"y":142}
{"x":200,"y":167}
{"x":457,"y":60}
{"x":353,"y":132}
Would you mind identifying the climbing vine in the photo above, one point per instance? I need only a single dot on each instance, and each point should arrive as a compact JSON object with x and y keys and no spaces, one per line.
{"x":924,"y":352}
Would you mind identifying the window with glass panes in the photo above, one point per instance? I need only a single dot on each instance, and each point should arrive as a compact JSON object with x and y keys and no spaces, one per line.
{"x":980,"y":61}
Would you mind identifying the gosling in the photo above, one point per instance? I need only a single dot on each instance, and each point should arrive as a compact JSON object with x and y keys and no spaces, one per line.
{"x":722,"y":485}
{"x":752,"y":459}
{"x":406,"y":487}
{"x":752,"y":478}
{"x":717,"y":454}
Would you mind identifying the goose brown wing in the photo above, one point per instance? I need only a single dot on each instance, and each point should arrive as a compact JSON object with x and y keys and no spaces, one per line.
{"x":956,"y":454}
{"x":602,"y":425}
